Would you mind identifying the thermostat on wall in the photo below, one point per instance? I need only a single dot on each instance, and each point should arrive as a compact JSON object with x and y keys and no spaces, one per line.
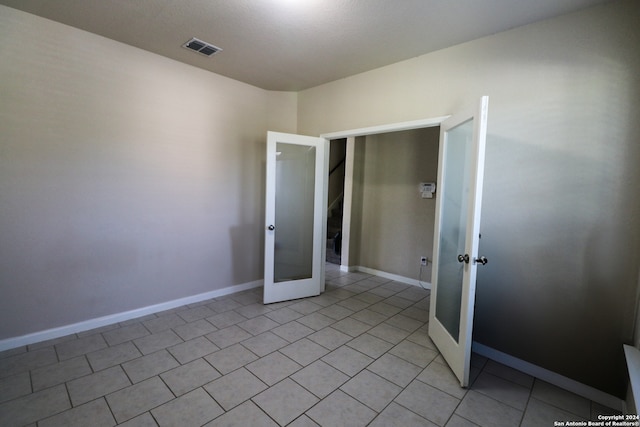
{"x":427,"y":189}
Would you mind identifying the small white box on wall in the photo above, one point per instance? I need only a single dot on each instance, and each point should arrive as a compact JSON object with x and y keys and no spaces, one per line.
{"x":427,"y":189}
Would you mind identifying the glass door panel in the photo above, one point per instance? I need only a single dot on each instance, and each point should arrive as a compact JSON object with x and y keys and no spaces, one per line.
{"x":453,"y":227}
{"x":295,"y":184}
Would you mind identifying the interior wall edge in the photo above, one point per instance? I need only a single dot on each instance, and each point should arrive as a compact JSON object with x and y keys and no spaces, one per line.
{"x":551,"y":377}
{"x":87,"y":325}
{"x":391,"y":276}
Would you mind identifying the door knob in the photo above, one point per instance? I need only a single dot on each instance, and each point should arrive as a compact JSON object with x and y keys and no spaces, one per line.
{"x":482,"y":260}
{"x":463,"y":258}
{"x":271,"y":227}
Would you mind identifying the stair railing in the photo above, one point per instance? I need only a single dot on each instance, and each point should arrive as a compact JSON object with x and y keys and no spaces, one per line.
{"x":336,"y":167}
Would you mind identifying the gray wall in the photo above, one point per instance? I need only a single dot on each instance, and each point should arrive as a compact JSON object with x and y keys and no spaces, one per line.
{"x":396,"y":223}
{"x":126,"y":179}
{"x":561,"y":208}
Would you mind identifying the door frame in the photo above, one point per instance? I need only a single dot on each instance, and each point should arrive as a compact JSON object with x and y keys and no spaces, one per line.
{"x":350,"y":135}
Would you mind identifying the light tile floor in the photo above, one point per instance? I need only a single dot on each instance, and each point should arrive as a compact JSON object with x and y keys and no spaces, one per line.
{"x":357,"y":355}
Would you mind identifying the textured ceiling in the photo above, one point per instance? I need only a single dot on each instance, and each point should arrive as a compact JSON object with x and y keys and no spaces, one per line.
{"x":296,"y":44}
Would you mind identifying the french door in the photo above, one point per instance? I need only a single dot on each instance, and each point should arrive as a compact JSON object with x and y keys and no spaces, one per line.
{"x":457,"y":233}
{"x":295,"y":216}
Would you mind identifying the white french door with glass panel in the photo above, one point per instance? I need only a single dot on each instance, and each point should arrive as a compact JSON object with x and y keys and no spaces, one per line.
{"x":457,"y":233}
{"x":295,"y":216}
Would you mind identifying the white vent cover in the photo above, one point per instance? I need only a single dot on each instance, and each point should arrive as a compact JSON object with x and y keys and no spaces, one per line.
{"x":204,"y":48}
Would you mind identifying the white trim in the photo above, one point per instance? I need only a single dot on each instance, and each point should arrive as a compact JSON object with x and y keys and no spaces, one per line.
{"x":347,"y":205}
{"x":98,"y":322}
{"x":392,"y":127}
{"x":348,"y":269}
{"x":391,"y":276}
{"x":556,"y":379}
{"x":632,"y":355}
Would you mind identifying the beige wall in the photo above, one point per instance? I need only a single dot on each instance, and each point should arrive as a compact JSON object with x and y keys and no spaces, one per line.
{"x":126,"y":179}
{"x":561,"y":207}
{"x":396,"y":223}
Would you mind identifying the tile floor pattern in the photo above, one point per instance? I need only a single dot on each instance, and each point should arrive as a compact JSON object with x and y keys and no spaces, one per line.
{"x":357,"y":355}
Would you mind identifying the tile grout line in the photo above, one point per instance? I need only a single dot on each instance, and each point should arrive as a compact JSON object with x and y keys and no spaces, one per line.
{"x":244,"y":299}
{"x":110,"y":409}
{"x":529,"y":397}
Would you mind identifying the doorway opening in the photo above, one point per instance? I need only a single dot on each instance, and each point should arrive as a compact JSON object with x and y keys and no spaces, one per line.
{"x":335,"y":199}
{"x":386,"y":226}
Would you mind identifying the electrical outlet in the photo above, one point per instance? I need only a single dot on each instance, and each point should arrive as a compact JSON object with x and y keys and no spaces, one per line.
{"x":423,"y":260}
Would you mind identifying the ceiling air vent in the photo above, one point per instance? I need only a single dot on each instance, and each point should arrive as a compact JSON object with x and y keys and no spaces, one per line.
{"x":207,"y":49}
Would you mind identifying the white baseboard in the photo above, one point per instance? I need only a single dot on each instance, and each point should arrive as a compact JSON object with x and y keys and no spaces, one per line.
{"x":632,"y":356}
{"x":347,"y":269}
{"x":556,"y":379}
{"x":98,"y":322}
{"x":391,"y":276}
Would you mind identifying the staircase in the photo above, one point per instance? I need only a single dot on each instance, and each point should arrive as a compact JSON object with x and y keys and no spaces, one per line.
{"x":334,"y":233}
{"x":335,"y":199}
